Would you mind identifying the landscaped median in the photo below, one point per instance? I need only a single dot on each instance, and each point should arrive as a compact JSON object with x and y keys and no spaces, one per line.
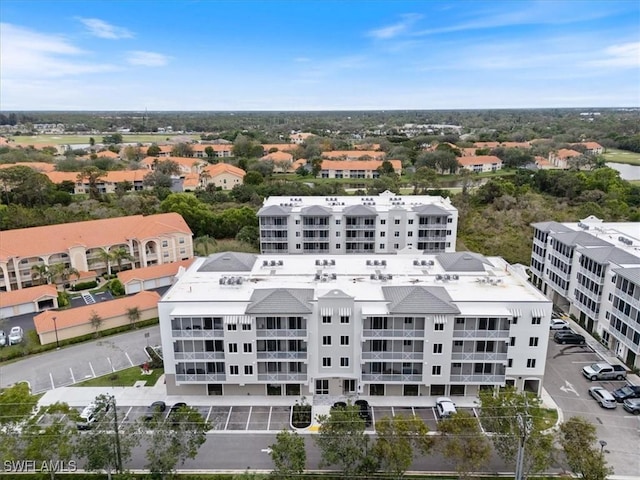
{"x":125,"y":378}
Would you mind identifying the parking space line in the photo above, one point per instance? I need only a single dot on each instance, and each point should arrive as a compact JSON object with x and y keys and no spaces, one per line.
{"x":129,"y":358}
{"x":126,"y":416}
{"x":206,"y":420}
{"x":413,"y":410}
{"x":92,"y":371}
{"x":248,"y":418}
{"x":393,"y":412}
{"x":269,"y":419}
{"x":435,"y":416}
{"x":475,"y":412}
{"x":53,"y":385}
{"x":226,"y":424}
{"x":73,"y":379}
{"x":111,"y":363}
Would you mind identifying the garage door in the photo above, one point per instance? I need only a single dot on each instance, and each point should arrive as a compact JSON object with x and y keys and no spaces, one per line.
{"x":133,"y":287}
{"x":149,"y":284}
{"x":26,"y":308}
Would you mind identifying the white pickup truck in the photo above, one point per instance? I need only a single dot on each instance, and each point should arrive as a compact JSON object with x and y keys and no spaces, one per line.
{"x":604,"y":371}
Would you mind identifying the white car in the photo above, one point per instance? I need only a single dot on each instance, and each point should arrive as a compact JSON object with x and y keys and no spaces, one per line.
{"x":603,"y":397}
{"x":445,"y":407}
{"x":3,"y":338}
{"x":15,"y":335}
{"x":559,"y":324}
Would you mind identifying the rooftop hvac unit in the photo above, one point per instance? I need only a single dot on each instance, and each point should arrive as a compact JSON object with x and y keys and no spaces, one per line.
{"x":325,"y":262}
{"x":334,"y":276}
{"x":317,"y":262}
{"x":416,"y":262}
{"x":447,"y":277}
{"x":431,"y":263}
{"x":222,"y":280}
{"x":332,"y":262}
{"x":273,"y":263}
{"x":455,"y":277}
{"x":383,"y":263}
{"x":265,"y":263}
{"x":376,"y":262}
{"x":317,"y":277}
{"x":438,"y":277}
{"x":239,"y":280}
{"x":369,"y":263}
{"x":280,"y":263}
{"x":423,"y":262}
{"x":389,"y":277}
{"x":373,"y":276}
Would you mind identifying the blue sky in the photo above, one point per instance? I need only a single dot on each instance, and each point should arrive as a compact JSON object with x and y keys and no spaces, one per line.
{"x":318,"y":55}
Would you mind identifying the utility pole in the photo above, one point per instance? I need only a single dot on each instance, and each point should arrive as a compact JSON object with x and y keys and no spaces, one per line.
{"x":115,"y":429}
{"x":524,"y":426}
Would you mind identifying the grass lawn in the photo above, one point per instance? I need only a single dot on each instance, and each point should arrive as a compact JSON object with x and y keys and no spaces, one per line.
{"x":622,"y":156}
{"x":123,"y":378}
{"x":84,"y":139}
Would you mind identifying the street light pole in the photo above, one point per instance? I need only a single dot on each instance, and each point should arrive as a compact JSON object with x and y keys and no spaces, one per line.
{"x":55,"y":327}
{"x":602,"y":445}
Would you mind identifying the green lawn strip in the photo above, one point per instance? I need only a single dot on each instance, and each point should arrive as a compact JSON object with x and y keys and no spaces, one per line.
{"x":622,"y":156}
{"x":123,"y":378}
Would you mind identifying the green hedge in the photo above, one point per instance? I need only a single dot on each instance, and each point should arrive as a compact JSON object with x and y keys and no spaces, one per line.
{"x":84,"y":286}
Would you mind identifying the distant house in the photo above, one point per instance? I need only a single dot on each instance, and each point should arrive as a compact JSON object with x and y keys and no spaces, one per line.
{"x":107,"y":182}
{"x":186,"y":164}
{"x":592,"y":148}
{"x":219,"y":150}
{"x":42,"y":167}
{"x":299,"y":138}
{"x":543,"y":164}
{"x":480,"y":163}
{"x":108,"y":154}
{"x":222,"y":175}
{"x":353,"y":155}
{"x":28,"y":300}
{"x":281,"y":161}
{"x":280,"y":147}
{"x":355,"y":168}
{"x":561,"y":158}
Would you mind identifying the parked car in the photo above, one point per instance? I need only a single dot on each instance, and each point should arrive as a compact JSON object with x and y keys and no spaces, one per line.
{"x":632,"y":405}
{"x":175,"y":408}
{"x":154,"y":409}
{"x":365,"y":411}
{"x":339,"y":405}
{"x":445,"y":407}
{"x":603,"y":397}
{"x":89,"y":415}
{"x":559,"y":324}
{"x":16,"y":335}
{"x":568,"y":337}
{"x":604,"y":371}
{"x":629,"y":391}
{"x":3,"y":338}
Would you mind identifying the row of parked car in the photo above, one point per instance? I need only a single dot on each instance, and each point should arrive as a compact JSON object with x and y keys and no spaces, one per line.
{"x":92,"y":412}
{"x":15,"y":336}
{"x":629,"y":396}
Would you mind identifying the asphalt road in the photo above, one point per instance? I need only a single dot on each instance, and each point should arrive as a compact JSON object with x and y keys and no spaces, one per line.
{"x":75,"y":363}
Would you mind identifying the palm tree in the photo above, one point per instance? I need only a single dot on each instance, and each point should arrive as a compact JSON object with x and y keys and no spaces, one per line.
{"x":120,"y":254}
{"x":133,"y":314}
{"x":41,"y":272}
{"x":106,"y":257}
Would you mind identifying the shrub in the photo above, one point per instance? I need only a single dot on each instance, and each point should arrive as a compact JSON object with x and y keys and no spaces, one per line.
{"x":84,"y":286}
{"x":156,"y":360}
{"x":116,"y":288}
{"x":63,"y":299}
{"x":301,"y":414}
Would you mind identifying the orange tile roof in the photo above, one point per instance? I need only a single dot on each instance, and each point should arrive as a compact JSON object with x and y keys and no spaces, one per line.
{"x":567,"y":153}
{"x":486,"y":144}
{"x":219,"y":168}
{"x":155,"y":271}
{"x":107,"y":154}
{"x":191,"y":180}
{"x":188,"y":162}
{"x":278,"y":157}
{"x":59,"y":177}
{"x":81,"y":315}
{"x":37,"y":166}
{"x":27,"y":295}
{"x":353,"y":154}
{"x":478,"y":160}
{"x":468,"y":152}
{"x":46,"y":240}
{"x":357,"y":164}
{"x":590,"y":145}
{"x":515,"y":144}
{"x":282,"y":147}
{"x":215,"y":146}
{"x":542,"y":162}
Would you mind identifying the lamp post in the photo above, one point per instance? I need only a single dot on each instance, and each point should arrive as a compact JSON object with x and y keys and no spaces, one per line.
{"x":602,"y":445}
{"x":55,"y":327}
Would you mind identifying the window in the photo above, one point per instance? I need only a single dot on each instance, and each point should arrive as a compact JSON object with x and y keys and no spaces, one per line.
{"x":233,"y":348}
{"x":411,"y":221}
{"x":344,"y":361}
{"x":512,"y":341}
{"x":410,"y":390}
{"x":535,"y":321}
{"x":344,"y":319}
{"x":322,"y":387}
{"x":514,"y":321}
{"x":344,"y":340}
{"x":407,"y":343}
{"x":338,"y":221}
{"x":248,"y":369}
{"x":408,"y":320}
{"x":396,"y":221}
{"x":438,"y":327}
{"x":234,"y":370}
{"x":326,"y":361}
{"x":531,"y":363}
{"x":533,"y":341}
{"x":326,"y":340}
{"x":297,"y":234}
{"x":181,"y":241}
{"x":383,"y":222}
{"x":436,"y":370}
{"x":297,"y":246}
{"x":437,"y":348}
{"x":410,"y":234}
{"x":246,"y":326}
{"x":232,"y":327}
{"x":247,"y":348}
{"x":337,"y":246}
{"x":396,"y":246}
{"x":326,"y":319}
{"x":337,"y":234}
{"x":510,"y":362}
{"x":457,"y":390}
{"x":165,"y":243}
{"x":382,"y":234}
{"x":298,"y":222}
{"x":396,"y":234}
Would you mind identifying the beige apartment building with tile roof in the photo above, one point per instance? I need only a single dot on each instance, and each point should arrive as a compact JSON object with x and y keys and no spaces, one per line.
{"x":150,"y":240}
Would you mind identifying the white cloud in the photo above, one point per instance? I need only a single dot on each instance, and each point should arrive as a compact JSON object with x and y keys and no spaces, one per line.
{"x":622,"y":55}
{"x":147,"y":59}
{"x":26,"y":52}
{"x":396,"y":29}
{"x":100,"y":28}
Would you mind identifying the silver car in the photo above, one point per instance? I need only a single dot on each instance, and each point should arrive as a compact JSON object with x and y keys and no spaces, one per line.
{"x":3,"y":338}
{"x":603,"y":397}
{"x":16,"y":335}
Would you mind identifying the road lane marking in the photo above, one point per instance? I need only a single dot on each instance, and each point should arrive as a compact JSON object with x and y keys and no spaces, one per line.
{"x":269,"y":419}
{"x":129,"y":358}
{"x":567,"y":387}
{"x":92,"y":371}
{"x":73,"y":379}
{"x":249,"y":418}
{"x":53,"y":385}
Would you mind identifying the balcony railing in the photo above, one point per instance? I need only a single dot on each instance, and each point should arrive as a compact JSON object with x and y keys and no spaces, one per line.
{"x":282,"y":377}
{"x":471,"y":378}
{"x":273,"y":227}
{"x":634,"y":302}
{"x":481,"y":334}
{"x":200,"y":377}
{"x":198,"y":355}
{"x":197,"y":333}
{"x":391,"y":377}
{"x":479,"y":356}
{"x":382,"y":333}
{"x":392,"y":355}
{"x":371,"y":228}
{"x":315,"y":227}
{"x":281,"y":355}
{"x":286,"y":333}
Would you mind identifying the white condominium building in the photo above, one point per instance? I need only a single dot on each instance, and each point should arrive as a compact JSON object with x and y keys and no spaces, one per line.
{"x":592,"y":270}
{"x":330,"y":325}
{"x":384,"y":223}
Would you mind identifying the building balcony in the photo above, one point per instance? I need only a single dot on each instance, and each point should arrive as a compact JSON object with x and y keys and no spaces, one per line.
{"x":197,"y":333}
{"x":478,"y":379}
{"x":284,"y":333}
{"x":382,"y":333}
{"x":391,"y":377}
{"x":352,"y":228}
{"x":200,"y":377}
{"x":624,"y":340}
{"x":274,"y":227}
{"x":282,"y":377}
{"x":198,"y":355}
{"x":479,"y":356}
{"x":504,"y":334}
{"x":591,"y":276}
{"x":392,"y":356}
{"x":282,"y":355}
{"x":315,"y":227}
{"x":634,"y":302}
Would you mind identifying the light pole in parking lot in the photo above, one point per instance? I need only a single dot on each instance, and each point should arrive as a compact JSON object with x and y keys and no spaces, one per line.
{"x":55,"y":327}
{"x":602,"y":445}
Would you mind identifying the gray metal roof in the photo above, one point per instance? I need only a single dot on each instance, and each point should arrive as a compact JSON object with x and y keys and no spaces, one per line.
{"x":336,"y":293}
{"x":631,"y":274}
{"x":418,"y":299}
{"x":462,"y":262}
{"x":316,"y":211}
{"x":551,"y":227}
{"x":280,"y":301}
{"x":430,"y":210}
{"x":580,"y":238}
{"x":359,"y":210}
{"x":228,"y":262}
{"x":274,"y":211}
{"x":606,"y":255}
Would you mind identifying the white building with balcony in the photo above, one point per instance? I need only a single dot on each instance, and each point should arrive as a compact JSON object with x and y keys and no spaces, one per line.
{"x":332,"y":325}
{"x":591,"y":269}
{"x":384,"y":223}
